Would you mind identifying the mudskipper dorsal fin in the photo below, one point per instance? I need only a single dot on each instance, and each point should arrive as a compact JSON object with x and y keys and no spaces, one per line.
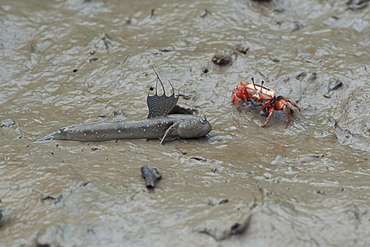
{"x":161,"y":105}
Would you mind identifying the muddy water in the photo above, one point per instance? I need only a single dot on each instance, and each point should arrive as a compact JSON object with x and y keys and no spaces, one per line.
{"x":75,"y":61}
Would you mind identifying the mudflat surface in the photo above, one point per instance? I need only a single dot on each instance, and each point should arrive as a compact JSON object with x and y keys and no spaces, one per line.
{"x":73,"y":61}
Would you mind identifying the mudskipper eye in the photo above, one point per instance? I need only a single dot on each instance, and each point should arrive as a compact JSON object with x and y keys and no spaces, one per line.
{"x":203,"y":119}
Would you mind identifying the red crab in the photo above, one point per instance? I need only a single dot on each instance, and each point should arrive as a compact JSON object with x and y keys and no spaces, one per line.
{"x":264,"y":97}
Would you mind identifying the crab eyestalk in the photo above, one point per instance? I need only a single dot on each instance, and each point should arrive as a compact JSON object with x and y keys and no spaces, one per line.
{"x":262,"y":86}
{"x":254,"y":85}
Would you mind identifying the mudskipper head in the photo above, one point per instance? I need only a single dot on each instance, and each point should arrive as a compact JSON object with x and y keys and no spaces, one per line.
{"x":194,"y":126}
{"x":206,"y":127}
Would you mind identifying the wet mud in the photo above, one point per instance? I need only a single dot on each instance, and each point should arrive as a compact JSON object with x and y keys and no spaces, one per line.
{"x":72,"y":62}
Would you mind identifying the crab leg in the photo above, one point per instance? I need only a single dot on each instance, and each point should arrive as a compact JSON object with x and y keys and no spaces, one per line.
{"x":287,"y":100}
{"x":239,"y":92}
{"x":271,"y":111}
{"x":282,"y":104}
{"x":266,"y":104}
{"x":287,"y":110}
{"x":235,"y":99}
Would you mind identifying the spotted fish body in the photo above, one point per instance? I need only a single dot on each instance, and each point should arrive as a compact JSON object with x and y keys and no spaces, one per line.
{"x":183,"y":126}
{"x":158,"y":125}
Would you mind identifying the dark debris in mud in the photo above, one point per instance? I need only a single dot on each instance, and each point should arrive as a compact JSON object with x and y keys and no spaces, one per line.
{"x":320,"y":192}
{"x":150,"y":175}
{"x":333,"y":85}
{"x":301,"y":76}
{"x":223,"y":58}
{"x":7,"y":123}
{"x":167,"y":49}
{"x":55,"y":200}
{"x":215,"y":201}
{"x":242,"y":48}
{"x":96,"y":149}
{"x":296,"y":26}
{"x":357,"y":4}
{"x":205,"y":70}
{"x":204,"y":13}
{"x":198,"y":158}
{"x":93,"y":59}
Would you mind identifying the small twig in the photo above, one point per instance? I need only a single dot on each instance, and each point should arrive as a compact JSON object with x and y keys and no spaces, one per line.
{"x":150,"y":176}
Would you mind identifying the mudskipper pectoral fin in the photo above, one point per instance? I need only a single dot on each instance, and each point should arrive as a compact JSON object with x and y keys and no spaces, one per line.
{"x":168,"y":132}
{"x":161,"y":105}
